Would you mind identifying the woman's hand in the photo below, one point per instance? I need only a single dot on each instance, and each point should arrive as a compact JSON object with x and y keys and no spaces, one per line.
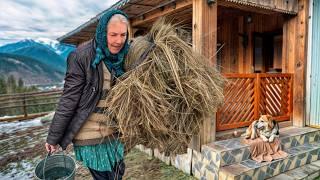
{"x":51,"y":148}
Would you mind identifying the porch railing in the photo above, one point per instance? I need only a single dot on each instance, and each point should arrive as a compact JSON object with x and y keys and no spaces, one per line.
{"x":247,"y":96}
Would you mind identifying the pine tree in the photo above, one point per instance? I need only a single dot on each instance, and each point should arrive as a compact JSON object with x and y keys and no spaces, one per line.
{"x":3,"y":86}
{"x":20,"y":83}
{"x":20,"y":88}
{"x":11,"y":84}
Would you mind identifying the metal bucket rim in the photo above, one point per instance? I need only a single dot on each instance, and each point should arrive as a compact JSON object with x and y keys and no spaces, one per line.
{"x":72,"y":173}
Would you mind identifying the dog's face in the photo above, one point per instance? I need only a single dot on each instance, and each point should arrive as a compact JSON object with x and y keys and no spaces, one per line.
{"x":265,"y":123}
{"x":265,"y":128}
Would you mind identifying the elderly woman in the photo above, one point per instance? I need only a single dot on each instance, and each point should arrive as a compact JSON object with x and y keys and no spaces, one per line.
{"x":91,"y":71}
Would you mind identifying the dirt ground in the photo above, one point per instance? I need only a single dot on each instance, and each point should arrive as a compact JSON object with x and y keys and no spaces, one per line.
{"x":22,"y":149}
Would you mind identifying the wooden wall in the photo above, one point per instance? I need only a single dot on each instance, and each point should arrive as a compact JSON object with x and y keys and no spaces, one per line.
{"x":235,"y":37}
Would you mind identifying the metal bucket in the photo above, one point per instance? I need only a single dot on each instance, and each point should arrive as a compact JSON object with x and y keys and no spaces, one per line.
{"x":57,"y":166}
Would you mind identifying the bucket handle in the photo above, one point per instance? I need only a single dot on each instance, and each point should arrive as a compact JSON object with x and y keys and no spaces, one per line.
{"x":44,"y":164}
{"x":45,"y":160}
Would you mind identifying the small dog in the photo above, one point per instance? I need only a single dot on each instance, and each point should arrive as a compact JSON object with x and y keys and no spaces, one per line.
{"x":266,"y":128}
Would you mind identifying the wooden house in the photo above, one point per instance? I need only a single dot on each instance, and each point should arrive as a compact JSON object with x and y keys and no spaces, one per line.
{"x":260,"y":46}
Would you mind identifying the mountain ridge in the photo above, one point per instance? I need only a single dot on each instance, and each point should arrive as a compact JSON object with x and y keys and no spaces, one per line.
{"x":41,"y":61}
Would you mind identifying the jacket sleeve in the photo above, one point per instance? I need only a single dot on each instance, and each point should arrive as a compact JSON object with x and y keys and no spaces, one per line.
{"x":68,"y":103}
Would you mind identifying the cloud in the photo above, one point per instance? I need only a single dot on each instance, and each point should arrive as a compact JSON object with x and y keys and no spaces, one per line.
{"x":21,"y":19}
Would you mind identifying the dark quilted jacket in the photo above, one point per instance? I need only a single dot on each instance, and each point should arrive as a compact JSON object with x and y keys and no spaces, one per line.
{"x":81,"y":93}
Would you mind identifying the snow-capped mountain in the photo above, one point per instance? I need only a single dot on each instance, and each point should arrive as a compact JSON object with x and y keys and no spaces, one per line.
{"x":49,"y":53}
{"x":60,"y":48}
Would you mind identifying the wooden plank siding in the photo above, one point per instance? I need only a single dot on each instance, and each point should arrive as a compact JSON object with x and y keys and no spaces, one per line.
{"x":144,"y":19}
{"x":236,"y":53}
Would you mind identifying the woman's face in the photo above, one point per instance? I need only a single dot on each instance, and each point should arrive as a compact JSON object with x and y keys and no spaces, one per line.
{"x":116,"y":36}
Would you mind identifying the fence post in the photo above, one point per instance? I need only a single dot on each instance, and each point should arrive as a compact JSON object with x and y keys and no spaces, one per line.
{"x":257,"y":96}
{"x":24,"y":105}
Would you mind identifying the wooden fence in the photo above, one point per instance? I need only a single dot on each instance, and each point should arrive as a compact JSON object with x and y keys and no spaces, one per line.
{"x":247,"y":96}
{"x":28,"y":105}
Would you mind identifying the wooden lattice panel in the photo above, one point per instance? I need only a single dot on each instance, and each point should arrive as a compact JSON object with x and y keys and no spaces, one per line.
{"x":275,"y":96}
{"x":247,"y":96}
{"x":238,"y":107}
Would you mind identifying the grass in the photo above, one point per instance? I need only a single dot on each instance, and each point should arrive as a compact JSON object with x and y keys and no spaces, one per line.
{"x":141,"y":166}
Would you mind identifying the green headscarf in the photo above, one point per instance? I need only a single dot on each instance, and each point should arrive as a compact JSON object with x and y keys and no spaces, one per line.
{"x":114,"y":62}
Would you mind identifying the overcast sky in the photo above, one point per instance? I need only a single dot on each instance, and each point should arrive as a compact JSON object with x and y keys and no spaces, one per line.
{"x":21,"y":19}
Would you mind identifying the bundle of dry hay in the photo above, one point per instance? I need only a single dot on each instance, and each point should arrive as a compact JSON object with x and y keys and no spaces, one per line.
{"x":162,"y":102}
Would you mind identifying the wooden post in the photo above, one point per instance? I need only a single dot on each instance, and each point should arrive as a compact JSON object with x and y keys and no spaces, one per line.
{"x":204,"y":34}
{"x":240,"y":45}
{"x":299,"y":80}
{"x":249,"y":64}
{"x":204,"y":20}
{"x":257,"y":96}
{"x":130,"y":31}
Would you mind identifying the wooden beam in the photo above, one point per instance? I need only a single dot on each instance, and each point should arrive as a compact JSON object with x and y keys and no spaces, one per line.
{"x":240,"y":44}
{"x":289,"y":45}
{"x":300,"y":64}
{"x":249,"y":63}
{"x":74,"y":40}
{"x":204,"y":27}
{"x":295,"y":32}
{"x":139,"y":4}
{"x":80,"y":38}
{"x":85,"y":34}
{"x":161,"y":11}
{"x":130,"y":31}
{"x":263,"y":7}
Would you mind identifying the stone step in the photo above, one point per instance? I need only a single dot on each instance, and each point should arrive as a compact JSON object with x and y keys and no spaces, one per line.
{"x":306,"y":172}
{"x":234,"y":150}
{"x":249,"y":169}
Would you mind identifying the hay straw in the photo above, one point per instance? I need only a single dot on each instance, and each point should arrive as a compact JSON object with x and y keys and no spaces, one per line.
{"x":163,"y":102}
